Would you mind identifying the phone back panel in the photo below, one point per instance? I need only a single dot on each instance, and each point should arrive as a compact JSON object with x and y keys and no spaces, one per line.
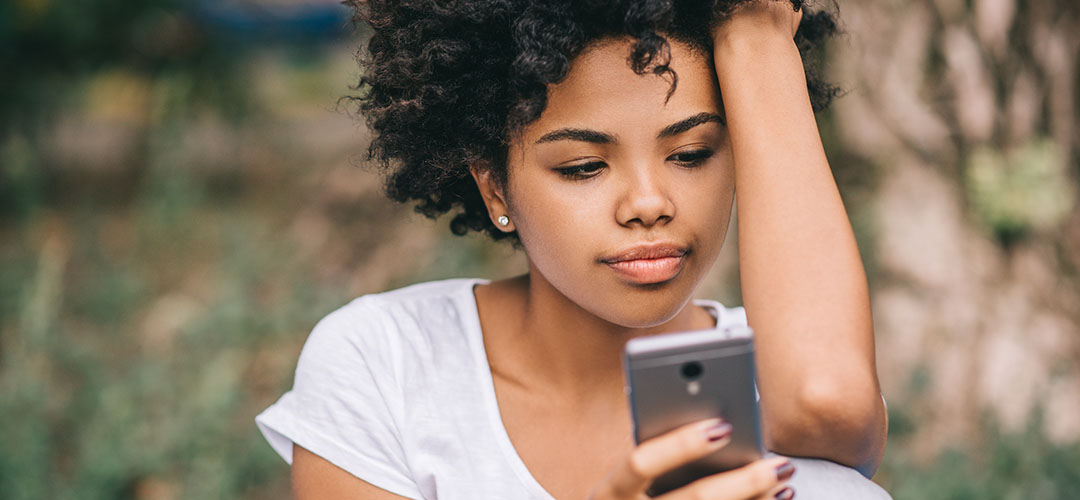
{"x":663,"y":397}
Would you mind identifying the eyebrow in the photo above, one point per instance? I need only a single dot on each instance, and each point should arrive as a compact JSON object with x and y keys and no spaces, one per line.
{"x":577,"y":134}
{"x":597,"y":137}
{"x":689,"y":123}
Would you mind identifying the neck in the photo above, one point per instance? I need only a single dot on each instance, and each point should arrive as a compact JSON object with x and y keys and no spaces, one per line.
{"x":547,"y":342}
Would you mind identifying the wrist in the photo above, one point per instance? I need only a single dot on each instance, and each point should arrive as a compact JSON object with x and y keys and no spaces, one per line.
{"x":736,"y":36}
{"x":735,"y":49}
{"x":759,"y":18}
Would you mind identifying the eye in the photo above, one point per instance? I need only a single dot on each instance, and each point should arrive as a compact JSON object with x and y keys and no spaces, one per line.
{"x":582,"y":171}
{"x":691,"y":158}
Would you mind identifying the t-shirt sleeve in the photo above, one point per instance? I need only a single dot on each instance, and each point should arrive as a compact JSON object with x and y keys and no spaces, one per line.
{"x":342,"y":403}
{"x":731,"y":316}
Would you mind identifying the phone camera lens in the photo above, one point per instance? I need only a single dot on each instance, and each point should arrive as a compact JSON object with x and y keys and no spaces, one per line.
{"x":691,"y":370}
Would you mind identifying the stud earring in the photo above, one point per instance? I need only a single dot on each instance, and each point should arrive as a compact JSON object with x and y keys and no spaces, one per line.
{"x":504,"y":220}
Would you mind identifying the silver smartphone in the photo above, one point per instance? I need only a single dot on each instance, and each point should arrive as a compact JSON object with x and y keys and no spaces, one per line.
{"x":678,"y":378}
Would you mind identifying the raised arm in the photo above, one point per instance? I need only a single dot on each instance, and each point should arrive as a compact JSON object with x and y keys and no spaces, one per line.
{"x":803,"y":283}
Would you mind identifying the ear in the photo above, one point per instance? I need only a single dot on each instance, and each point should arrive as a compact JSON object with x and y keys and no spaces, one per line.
{"x":493,"y":195}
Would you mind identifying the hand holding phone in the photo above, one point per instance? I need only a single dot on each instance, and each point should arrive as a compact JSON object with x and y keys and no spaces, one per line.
{"x":680,"y":378}
{"x":656,"y":457}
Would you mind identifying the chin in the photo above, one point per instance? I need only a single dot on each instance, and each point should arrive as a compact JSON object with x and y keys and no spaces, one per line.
{"x":645,"y":310}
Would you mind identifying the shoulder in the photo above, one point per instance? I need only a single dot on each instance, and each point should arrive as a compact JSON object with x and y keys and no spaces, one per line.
{"x":351,"y":401}
{"x":414,"y":299}
{"x":400,"y":311}
{"x":381,"y":329}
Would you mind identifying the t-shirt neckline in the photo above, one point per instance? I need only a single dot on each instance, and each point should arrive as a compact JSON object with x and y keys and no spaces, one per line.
{"x":487,"y":389}
{"x":475,"y":335}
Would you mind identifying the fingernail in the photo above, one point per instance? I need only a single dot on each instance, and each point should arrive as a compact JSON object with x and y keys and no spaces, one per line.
{"x":785,"y":494}
{"x":718,"y":431}
{"x":785,"y":471}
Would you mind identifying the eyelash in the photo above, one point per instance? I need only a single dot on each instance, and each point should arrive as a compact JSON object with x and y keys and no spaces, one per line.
{"x":580,"y":172}
{"x":584,"y":171}
{"x":696,"y":157}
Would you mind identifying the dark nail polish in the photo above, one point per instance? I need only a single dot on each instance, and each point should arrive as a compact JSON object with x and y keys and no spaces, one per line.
{"x":718,"y":431}
{"x":785,"y":471}
{"x":785,"y":494}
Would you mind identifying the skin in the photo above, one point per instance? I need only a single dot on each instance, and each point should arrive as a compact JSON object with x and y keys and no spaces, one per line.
{"x":554,"y":336}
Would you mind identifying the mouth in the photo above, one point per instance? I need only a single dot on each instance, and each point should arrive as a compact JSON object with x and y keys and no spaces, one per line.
{"x":648,"y":264}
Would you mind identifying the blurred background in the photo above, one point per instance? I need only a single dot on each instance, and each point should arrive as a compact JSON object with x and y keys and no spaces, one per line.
{"x":182,"y":198}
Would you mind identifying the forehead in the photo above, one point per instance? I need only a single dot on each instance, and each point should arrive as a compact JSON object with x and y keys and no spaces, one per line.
{"x":602,"y":92}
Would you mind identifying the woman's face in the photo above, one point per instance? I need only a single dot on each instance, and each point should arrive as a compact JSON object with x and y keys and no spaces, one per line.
{"x":620,"y":196}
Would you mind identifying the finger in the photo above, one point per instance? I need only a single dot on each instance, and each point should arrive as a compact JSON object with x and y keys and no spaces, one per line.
{"x":664,"y":453}
{"x":751,"y":481}
{"x":781,"y":492}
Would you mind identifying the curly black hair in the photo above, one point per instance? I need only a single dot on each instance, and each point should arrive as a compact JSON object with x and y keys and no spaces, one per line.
{"x":446,"y":83}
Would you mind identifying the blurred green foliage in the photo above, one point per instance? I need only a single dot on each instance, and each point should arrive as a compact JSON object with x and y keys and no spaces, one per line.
{"x":139,"y":334}
{"x":1017,"y":192}
{"x":1000,"y":466}
{"x":21,"y":189}
{"x":101,"y":400}
{"x":48,"y":47}
{"x":141,"y":64}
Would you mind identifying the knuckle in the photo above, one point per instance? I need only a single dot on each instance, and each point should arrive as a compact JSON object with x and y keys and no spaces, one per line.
{"x":638,"y":464}
{"x":698,"y":491}
{"x":689,"y":441}
{"x":763,"y":478}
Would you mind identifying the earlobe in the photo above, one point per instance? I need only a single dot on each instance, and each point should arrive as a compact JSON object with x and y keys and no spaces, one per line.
{"x":493,"y":196}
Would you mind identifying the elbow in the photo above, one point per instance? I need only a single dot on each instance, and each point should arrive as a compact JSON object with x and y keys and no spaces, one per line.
{"x":841,"y":421}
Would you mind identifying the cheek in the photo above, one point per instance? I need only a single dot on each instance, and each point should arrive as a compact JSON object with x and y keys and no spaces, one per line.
{"x":556,"y":220}
{"x":707,"y":188}
{"x":717,"y":195}
{"x":706,"y":205}
{"x":564,"y":228}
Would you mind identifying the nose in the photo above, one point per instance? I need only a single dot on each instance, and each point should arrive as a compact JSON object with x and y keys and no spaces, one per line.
{"x":644,"y":200}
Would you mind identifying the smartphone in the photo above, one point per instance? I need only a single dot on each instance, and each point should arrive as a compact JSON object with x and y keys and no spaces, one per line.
{"x":678,"y":378}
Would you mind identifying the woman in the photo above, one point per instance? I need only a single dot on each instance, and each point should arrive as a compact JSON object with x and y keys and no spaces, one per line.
{"x":607,"y":140}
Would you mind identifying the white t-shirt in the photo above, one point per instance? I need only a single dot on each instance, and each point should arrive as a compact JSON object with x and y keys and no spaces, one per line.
{"x":395,"y":388}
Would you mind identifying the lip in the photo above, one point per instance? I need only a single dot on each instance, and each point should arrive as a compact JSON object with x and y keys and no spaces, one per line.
{"x":649,"y":263}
